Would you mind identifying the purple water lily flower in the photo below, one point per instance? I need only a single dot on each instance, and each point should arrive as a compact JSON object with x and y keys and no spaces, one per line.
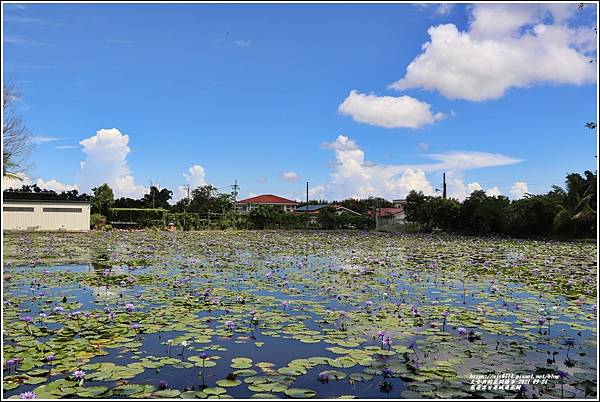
{"x":50,"y":358}
{"x":230,"y":325}
{"x":28,"y":395}
{"x":129,"y":307}
{"x":79,"y":374}
{"x":163,"y":384}
{"x":27,"y":319}
{"x":135,"y":326}
{"x":461,"y":331}
{"x":324,"y":376}
{"x":58,"y":309}
{"x":387,"y":372}
{"x":386,"y":341}
{"x":415,"y":311}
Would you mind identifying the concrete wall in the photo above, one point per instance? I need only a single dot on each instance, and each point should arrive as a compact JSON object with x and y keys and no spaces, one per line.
{"x":45,"y":215}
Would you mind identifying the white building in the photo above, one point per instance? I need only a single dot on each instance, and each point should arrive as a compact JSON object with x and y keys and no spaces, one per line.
{"x":45,"y":215}
{"x":247,"y":205}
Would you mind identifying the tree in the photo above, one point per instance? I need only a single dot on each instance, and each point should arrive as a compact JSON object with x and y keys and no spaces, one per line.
{"x":532,"y":215}
{"x":157,"y":198}
{"x":328,"y":218}
{"x":16,"y":138}
{"x":578,"y":205}
{"x":416,"y":208}
{"x":126,"y":202}
{"x":103,"y":199}
{"x":363,"y":206}
{"x":34,"y":192}
{"x":481,"y":214}
{"x":206,"y":198}
{"x":263,"y":216}
{"x":443,"y":213}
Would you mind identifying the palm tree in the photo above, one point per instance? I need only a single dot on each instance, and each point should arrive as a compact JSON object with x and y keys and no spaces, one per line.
{"x":577,"y":214}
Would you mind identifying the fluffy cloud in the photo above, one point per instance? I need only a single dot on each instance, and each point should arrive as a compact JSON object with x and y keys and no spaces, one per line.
{"x":506,"y":46}
{"x":518,"y":190}
{"x":493,"y":192}
{"x":41,"y":183}
{"x":290,"y":176}
{"x":15,"y":183}
{"x":388,"y":111}
{"x":458,"y":189}
{"x":106,"y":162}
{"x":440,"y":10}
{"x":55,"y":185}
{"x":353,"y":176}
{"x":195,"y":176}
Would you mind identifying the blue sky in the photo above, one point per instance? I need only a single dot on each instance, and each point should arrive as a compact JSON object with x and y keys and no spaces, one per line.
{"x":251,"y":92}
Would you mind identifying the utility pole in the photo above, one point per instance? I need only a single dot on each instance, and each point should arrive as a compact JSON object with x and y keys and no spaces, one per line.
{"x":235,"y":193}
{"x":153,"y":192}
{"x":377,"y":214}
{"x":444,"y":188}
{"x":187,"y":205}
{"x":306,"y":207}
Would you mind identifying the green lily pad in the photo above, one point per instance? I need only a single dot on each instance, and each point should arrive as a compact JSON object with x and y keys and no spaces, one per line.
{"x":300,"y":393}
{"x":228,"y":383}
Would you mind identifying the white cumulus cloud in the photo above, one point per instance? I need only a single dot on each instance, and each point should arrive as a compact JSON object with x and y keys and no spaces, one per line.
{"x":519,"y":189}
{"x":388,"y":111}
{"x":506,"y":46}
{"x":493,"y":192}
{"x":195,"y":176}
{"x":55,"y":185}
{"x":106,"y":162}
{"x":290,"y":176}
{"x":15,"y":183}
{"x":354,"y":176}
{"x":51,"y":184}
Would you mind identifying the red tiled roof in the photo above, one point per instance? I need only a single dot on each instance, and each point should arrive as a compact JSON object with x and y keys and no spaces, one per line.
{"x":267,"y":199}
{"x":388,"y":211}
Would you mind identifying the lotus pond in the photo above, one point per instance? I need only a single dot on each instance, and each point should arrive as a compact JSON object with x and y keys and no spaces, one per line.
{"x":294,"y":314}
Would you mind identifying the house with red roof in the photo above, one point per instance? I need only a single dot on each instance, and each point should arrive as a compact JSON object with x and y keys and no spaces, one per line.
{"x":389,"y":216}
{"x":248,"y":204}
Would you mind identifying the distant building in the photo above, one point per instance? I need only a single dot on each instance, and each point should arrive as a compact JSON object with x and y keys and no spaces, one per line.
{"x":314,"y":210}
{"x":247,"y":205}
{"x":28,"y":214}
{"x":389,"y":216}
{"x":400,"y":203}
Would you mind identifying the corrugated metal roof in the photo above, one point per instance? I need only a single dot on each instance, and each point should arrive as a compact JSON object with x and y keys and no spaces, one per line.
{"x":311,"y":208}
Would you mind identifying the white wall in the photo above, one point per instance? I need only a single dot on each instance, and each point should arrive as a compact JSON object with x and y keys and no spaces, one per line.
{"x":39,"y":219}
